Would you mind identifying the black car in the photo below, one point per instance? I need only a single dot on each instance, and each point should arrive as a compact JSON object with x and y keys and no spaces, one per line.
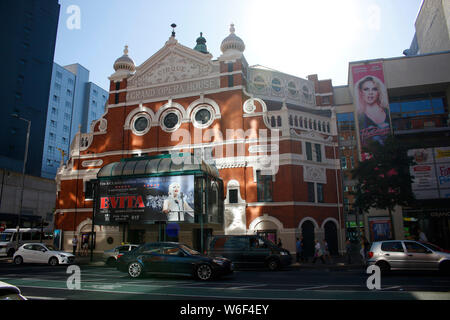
{"x":250,"y":251}
{"x":172,"y":258}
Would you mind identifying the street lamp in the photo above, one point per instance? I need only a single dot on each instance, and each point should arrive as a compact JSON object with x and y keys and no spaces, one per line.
{"x":15,"y":115}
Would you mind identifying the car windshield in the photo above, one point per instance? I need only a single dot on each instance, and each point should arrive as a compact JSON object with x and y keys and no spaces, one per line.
{"x":5,"y":236}
{"x":192,"y":252}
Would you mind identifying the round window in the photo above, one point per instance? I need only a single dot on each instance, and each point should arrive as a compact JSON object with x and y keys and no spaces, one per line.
{"x":276,"y":85}
{"x":292,"y":88}
{"x":141,"y":124}
{"x":203,"y":116}
{"x":171,"y":120}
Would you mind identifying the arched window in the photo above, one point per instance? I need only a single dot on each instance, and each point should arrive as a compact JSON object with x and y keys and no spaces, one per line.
{"x":315,"y":125}
{"x":310,"y":123}
{"x":296,"y":121}
{"x":279,"y":121}
{"x":319,"y":126}
{"x":301,"y":122}
{"x":328,"y":127}
{"x":291,"y":122}
{"x":272,"y":122}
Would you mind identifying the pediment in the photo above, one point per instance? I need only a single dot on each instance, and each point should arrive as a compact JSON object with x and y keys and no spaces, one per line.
{"x":173,"y":63}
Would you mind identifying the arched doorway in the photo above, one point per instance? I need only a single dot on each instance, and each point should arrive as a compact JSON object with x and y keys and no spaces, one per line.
{"x":308,"y":238}
{"x":331,"y":237}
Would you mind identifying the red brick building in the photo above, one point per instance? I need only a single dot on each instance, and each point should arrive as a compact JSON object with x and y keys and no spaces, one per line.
{"x":272,"y":137}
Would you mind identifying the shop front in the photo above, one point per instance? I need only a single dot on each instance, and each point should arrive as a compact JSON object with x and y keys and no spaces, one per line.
{"x":157,"y":199}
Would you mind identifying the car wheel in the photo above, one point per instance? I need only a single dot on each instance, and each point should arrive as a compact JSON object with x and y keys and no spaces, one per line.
{"x":444,"y":267}
{"x":384,"y":267}
{"x":18,"y":260}
{"x":204,"y":272}
{"x":273,"y":264}
{"x":53,"y":261}
{"x":135,"y":270}
{"x":11,"y":252}
{"x":111,"y":261}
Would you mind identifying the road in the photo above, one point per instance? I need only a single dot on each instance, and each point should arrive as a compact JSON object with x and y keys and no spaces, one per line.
{"x":106,"y":283}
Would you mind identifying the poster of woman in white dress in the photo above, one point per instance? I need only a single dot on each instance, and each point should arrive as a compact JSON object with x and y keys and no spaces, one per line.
{"x":176,"y":206}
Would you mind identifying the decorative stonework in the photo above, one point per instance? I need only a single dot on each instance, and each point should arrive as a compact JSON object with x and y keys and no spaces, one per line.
{"x":172,"y":68}
{"x":92,"y":163}
{"x":314,"y":174}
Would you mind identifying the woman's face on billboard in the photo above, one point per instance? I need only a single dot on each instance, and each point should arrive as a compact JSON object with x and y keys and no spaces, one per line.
{"x":369,"y":92}
{"x":175,"y":189}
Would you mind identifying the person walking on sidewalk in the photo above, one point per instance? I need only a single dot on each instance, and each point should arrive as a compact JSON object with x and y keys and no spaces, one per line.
{"x":74,"y":244}
{"x":348,"y":250}
{"x":299,"y":250}
{"x":318,"y":253}
{"x":326,"y":252}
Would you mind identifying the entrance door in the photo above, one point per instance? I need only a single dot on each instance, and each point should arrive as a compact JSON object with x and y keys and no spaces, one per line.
{"x":331,"y":237}
{"x":308,"y":238}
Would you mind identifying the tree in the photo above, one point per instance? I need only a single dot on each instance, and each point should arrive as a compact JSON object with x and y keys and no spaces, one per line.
{"x":383,"y":176}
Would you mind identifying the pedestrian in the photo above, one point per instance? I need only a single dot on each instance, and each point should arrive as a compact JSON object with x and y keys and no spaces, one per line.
{"x":318,"y":253}
{"x":85,"y":246}
{"x":421,"y":235}
{"x":362,"y":251}
{"x":280,"y":244}
{"x":348,"y":250}
{"x":74,"y":244}
{"x":299,"y":249}
{"x":326,"y":252}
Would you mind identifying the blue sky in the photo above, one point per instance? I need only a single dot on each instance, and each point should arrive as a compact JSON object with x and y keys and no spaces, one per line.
{"x":299,"y":37}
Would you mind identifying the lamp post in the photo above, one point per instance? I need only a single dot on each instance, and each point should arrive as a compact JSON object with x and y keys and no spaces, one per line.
{"x":23,"y":174}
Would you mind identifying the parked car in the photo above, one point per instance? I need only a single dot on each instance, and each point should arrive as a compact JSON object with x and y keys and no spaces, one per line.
{"x":172,"y":258}
{"x":250,"y":250}
{"x":8,"y":239}
{"x":407,"y":255}
{"x":42,"y":253}
{"x":10,"y":292}
{"x":110,"y":256}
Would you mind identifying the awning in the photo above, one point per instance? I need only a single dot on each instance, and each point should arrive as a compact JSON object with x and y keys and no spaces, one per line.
{"x":156,"y":166}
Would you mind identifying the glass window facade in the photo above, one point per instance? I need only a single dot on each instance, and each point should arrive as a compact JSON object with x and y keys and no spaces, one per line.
{"x":419,"y":112}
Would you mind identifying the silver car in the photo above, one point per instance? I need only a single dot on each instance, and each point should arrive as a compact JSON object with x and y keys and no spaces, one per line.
{"x":110,"y":256}
{"x":407,"y":255}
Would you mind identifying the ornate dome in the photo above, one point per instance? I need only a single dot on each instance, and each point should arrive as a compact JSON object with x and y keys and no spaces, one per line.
{"x":232,"y":42}
{"x":124,"y":62}
{"x":201,"y":44}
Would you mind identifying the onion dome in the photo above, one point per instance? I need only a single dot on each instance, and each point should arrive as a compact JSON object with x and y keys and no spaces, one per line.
{"x":201,"y":44}
{"x":232,"y":42}
{"x":124,"y":62}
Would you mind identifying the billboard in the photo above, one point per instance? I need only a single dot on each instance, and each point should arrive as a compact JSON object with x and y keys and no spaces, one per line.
{"x":380,"y":228}
{"x":146,"y":200}
{"x":372,"y":105}
{"x":431,"y":173}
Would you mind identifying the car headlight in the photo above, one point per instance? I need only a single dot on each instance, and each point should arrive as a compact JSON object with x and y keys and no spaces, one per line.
{"x":283,"y":253}
{"x":219,"y":262}
{"x":62,"y":256}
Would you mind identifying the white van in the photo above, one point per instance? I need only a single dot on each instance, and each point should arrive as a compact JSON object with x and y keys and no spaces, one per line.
{"x":8,"y":239}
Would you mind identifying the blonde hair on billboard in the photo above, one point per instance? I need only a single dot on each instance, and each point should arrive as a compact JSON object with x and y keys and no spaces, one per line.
{"x":172,"y":186}
{"x":382,"y":93}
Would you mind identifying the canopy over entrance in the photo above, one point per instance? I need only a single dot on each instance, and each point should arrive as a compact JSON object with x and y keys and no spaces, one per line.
{"x":161,"y":165}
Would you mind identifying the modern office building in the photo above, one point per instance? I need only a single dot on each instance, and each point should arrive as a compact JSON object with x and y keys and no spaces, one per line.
{"x":73,"y":102}
{"x":432,"y":28}
{"x":418,"y":114}
{"x":28,"y":44}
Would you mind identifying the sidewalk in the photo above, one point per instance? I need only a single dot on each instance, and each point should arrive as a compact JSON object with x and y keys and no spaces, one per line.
{"x":336,"y":263}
